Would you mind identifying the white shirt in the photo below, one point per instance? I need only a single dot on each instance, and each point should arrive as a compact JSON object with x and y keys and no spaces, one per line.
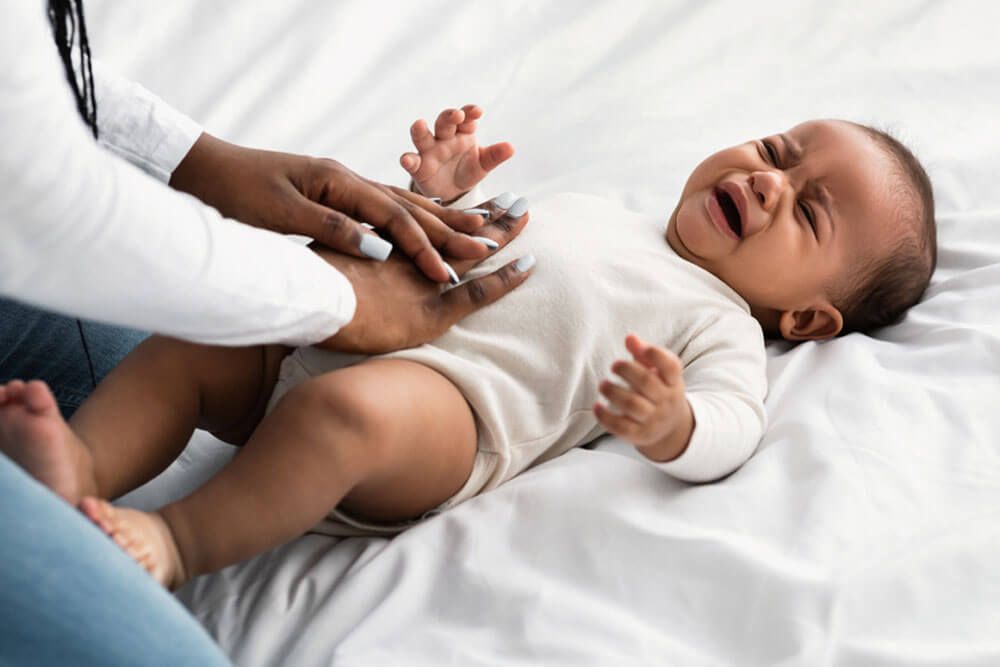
{"x":85,"y":233}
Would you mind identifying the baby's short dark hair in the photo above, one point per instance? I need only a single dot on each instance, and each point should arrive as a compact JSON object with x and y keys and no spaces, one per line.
{"x":888,"y":286}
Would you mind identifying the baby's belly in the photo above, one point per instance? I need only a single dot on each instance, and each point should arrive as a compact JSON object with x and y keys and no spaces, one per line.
{"x":530,"y":363}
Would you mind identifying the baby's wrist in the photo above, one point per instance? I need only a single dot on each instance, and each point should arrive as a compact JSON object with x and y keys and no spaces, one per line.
{"x":444,"y":201}
{"x":672,"y":444}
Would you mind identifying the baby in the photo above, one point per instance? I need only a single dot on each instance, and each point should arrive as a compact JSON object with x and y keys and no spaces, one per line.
{"x":821,"y":230}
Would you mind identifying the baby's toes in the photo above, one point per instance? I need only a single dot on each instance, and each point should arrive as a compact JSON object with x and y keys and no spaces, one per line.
{"x":98,"y":511}
{"x":15,"y":390}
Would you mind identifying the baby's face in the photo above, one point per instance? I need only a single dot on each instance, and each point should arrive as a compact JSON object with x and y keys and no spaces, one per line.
{"x":785,"y":219}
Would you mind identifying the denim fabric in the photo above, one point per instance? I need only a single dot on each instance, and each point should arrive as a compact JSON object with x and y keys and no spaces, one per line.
{"x":70,"y":355}
{"x":70,"y":596}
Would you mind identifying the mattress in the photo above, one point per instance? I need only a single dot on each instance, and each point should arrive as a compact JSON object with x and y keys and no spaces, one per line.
{"x":866,"y":529}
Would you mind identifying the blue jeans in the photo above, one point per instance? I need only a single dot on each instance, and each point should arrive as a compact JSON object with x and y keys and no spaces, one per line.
{"x":71,"y":355}
{"x":68,"y":594}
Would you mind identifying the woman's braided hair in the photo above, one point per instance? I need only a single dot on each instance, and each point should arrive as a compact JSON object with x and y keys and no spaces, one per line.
{"x":69,"y":27}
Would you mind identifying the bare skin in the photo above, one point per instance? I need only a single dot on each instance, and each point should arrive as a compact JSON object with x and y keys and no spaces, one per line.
{"x":386,"y":440}
{"x":33,"y":434}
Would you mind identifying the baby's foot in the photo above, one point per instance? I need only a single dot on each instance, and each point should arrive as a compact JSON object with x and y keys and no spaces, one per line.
{"x":144,"y":536}
{"x":35,"y":436}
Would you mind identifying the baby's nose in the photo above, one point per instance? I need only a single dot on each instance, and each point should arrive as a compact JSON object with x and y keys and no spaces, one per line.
{"x":767,"y":186}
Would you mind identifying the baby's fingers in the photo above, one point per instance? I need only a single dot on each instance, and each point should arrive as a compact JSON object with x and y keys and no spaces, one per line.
{"x":626,"y":402}
{"x":447,"y":124}
{"x":665,"y":362}
{"x":421,"y":136}
{"x":619,"y":425}
{"x":472,"y":114}
{"x":410,"y":162}
{"x":645,"y":381}
{"x":493,"y":156}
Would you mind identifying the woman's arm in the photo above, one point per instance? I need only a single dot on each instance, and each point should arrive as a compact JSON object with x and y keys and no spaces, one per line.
{"x":84,"y":233}
{"x":138,"y":126}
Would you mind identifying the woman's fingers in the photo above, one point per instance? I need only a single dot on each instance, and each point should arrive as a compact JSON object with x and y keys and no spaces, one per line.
{"x":472,"y":295}
{"x":341,"y":232}
{"x":448,"y":241}
{"x":494,"y":224}
{"x":453,"y":218}
{"x":508,"y":214}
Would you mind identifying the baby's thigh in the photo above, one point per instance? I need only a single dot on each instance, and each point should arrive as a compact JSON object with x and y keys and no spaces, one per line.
{"x":413,"y":430}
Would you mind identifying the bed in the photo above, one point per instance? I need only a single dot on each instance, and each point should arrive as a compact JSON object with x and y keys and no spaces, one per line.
{"x":865,"y":531}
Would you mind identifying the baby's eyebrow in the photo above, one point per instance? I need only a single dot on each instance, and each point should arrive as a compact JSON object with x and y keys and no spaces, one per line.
{"x":792,"y":147}
{"x":794,"y":150}
{"x":826,"y":201}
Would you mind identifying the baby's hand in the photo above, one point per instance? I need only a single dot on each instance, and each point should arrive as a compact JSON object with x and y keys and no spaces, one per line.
{"x":653,"y":412}
{"x":450,"y":162}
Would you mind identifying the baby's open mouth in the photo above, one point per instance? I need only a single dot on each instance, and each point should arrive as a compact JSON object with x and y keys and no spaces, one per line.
{"x":731,"y":211}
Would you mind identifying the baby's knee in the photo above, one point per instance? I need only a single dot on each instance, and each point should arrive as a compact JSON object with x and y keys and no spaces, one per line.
{"x":351,"y":417}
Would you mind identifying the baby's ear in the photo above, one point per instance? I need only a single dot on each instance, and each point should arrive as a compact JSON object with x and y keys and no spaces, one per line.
{"x":821,"y":322}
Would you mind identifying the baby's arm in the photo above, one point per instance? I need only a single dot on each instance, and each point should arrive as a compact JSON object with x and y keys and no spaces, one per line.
{"x":701,"y":428}
{"x":653,"y":412}
{"x":450,"y":162}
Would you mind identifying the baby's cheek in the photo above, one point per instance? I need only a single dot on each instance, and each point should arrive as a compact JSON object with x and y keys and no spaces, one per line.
{"x":694,"y":231}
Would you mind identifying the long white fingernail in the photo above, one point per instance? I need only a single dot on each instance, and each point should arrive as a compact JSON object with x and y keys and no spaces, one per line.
{"x":489,"y":243}
{"x":478,"y":211}
{"x":525,"y":263}
{"x":366,"y":225}
{"x":518,"y":208}
{"x":375,"y":247}
{"x":504,"y":200}
{"x":436,"y":200}
{"x":452,"y":276}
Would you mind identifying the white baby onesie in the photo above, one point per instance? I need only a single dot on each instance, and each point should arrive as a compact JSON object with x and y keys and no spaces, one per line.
{"x":530,"y":364}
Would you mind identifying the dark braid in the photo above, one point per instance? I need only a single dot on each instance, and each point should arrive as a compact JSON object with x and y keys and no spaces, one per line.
{"x":66,"y":17}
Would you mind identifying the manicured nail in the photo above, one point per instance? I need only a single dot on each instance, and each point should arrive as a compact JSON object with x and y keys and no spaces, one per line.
{"x":518,"y":208}
{"x":478,"y":211}
{"x":489,"y":243}
{"x":505,"y":200}
{"x":525,"y":263}
{"x":452,"y":276}
{"x":436,"y":200}
{"x":366,"y":225}
{"x":375,"y":247}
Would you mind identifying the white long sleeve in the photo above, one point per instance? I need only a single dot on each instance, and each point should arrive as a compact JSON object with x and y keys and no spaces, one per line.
{"x":83,"y":232}
{"x":725,"y":384}
{"x":138,"y":126}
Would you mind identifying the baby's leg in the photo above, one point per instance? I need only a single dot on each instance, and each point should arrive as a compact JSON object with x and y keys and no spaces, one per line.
{"x":387,"y":440}
{"x":139,"y":418}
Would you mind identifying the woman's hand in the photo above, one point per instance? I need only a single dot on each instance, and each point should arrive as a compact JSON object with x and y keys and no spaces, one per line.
{"x":399,"y":308}
{"x":450,"y":162}
{"x":326,"y":201}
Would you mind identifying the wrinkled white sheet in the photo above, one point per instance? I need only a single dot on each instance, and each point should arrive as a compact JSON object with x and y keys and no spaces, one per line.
{"x":866,"y":531}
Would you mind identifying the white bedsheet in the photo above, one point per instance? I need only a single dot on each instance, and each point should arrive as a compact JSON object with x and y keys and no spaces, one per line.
{"x":866,"y":531}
